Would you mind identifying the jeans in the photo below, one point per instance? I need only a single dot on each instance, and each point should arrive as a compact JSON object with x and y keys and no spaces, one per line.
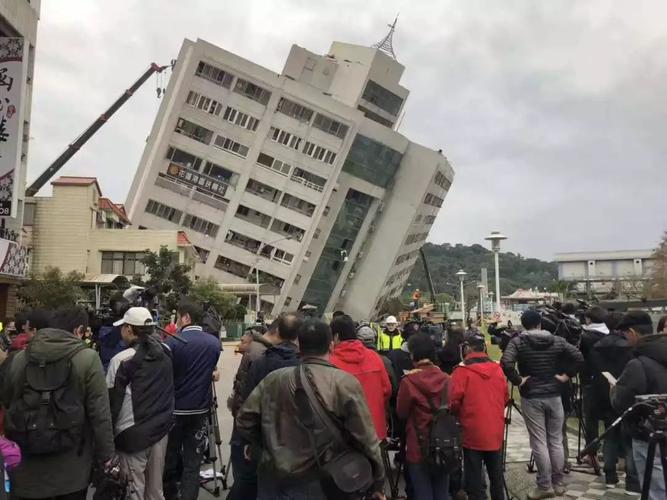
{"x":544,"y":421}
{"x":269,"y":490}
{"x":640,"y":451}
{"x":77,"y":495}
{"x":144,"y":470}
{"x":185,"y":451}
{"x":244,"y":473}
{"x":428,"y":486}
{"x":473,"y":462}
{"x":612,"y":449}
{"x":631,"y":476}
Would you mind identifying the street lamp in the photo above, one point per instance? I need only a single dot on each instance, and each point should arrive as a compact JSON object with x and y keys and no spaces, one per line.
{"x":462,"y":274}
{"x":495,"y":238}
{"x":259,"y":255}
{"x":480,"y":288}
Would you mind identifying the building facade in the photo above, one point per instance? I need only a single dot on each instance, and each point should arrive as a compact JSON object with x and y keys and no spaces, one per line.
{"x":77,"y":229}
{"x":298,"y":180}
{"x":618,"y":273}
{"x":18,"y":19}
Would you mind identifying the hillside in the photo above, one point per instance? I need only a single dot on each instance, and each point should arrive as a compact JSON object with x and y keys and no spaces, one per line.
{"x":516,"y":271}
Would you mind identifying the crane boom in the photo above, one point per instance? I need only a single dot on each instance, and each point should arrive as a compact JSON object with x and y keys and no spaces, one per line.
{"x":429,"y":280}
{"x":90,"y":131}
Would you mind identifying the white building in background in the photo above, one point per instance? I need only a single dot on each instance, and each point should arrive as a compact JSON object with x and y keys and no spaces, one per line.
{"x":18,"y":38}
{"x":300,"y":175}
{"x":620,"y":271}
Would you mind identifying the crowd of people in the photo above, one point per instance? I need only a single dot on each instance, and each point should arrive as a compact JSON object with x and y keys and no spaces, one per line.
{"x":322,"y":410}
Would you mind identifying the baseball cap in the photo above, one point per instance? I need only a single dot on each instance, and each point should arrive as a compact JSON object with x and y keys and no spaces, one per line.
{"x":391,"y":320}
{"x":136,"y":316}
{"x":366,"y":335}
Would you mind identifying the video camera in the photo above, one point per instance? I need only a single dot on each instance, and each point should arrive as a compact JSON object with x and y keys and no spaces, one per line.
{"x":651,"y":411}
{"x":501,"y":336}
{"x":558,"y":323}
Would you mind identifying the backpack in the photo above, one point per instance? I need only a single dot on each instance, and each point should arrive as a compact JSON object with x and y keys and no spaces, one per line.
{"x":48,"y":415}
{"x":441,"y":448}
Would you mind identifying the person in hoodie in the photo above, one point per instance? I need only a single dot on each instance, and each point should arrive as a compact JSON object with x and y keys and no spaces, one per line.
{"x":65,"y":474}
{"x":194,"y":363}
{"x":478,"y":395}
{"x":646,"y":373}
{"x":545,"y":362}
{"x":426,"y":381}
{"x":141,"y":394}
{"x":367,"y":337}
{"x":351,"y":356}
{"x":255,"y":345}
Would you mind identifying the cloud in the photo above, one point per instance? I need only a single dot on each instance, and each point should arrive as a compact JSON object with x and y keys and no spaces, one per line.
{"x":552,"y":113}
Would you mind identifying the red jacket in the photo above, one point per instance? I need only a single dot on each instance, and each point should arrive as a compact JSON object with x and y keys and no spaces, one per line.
{"x":412,"y":404}
{"x":478,"y":395}
{"x":367,"y":366}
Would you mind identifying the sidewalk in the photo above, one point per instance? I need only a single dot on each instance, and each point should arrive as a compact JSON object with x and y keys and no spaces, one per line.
{"x":581,"y":486}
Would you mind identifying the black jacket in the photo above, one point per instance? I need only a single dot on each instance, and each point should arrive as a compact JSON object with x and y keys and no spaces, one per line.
{"x":147,"y":416}
{"x":589,"y":338}
{"x":281,"y":355}
{"x":400,"y":361}
{"x":540,"y":356}
{"x":645,"y":374}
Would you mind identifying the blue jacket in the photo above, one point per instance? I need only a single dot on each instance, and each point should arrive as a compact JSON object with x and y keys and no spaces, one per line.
{"x":278,"y":356}
{"x":194,"y":364}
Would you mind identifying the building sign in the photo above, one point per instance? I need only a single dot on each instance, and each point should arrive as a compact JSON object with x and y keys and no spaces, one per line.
{"x":13,"y":259}
{"x":193,"y":178}
{"x":12,"y":80}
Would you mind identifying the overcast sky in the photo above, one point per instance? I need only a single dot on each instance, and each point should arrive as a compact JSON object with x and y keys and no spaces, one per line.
{"x":551,"y":112}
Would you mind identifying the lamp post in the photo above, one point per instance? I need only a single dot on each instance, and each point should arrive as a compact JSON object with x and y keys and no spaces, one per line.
{"x":495,"y":238}
{"x":259,"y":254}
{"x":480,"y":288}
{"x":462,"y":274}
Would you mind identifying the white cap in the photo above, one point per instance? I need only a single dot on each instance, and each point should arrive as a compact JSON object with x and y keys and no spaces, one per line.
{"x":137,"y":316}
{"x":391,"y":320}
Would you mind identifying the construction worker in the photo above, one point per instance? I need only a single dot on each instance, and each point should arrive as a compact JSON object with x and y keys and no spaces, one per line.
{"x":390,"y":338}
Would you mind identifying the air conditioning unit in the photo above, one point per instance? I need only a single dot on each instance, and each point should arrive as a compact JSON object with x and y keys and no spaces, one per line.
{"x":229,"y":235}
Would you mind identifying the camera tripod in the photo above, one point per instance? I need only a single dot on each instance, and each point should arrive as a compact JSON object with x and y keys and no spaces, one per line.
{"x":511,"y":404}
{"x":582,"y":431}
{"x":214,"y":452}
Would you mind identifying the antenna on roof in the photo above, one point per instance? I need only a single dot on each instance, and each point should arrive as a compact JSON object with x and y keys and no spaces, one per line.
{"x":386,"y":44}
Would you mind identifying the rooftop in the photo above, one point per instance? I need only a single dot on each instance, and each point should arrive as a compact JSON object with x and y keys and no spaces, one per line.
{"x":604,"y":255}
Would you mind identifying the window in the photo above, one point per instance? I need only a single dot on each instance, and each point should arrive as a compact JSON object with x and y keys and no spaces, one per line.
{"x":183,"y":159}
{"x":221,"y":173}
{"x":194,"y":131}
{"x":442,"y":181}
{"x":232,"y":267}
{"x":287,"y":229}
{"x":203,"y":253}
{"x":231,"y":146}
{"x":242,"y":241}
{"x":200,"y":225}
{"x":241,"y":119}
{"x":431,"y":199}
{"x":163,"y":211}
{"x":309,"y":180}
{"x":204,"y":103}
{"x":253,"y":216}
{"x":125,"y":263}
{"x":372,"y":161}
{"x":285,"y":138}
{"x":252,"y":91}
{"x":274,"y":164}
{"x":382,"y":98}
{"x":213,"y":74}
{"x":319,"y":153}
{"x":297,"y":204}
{"x":375,"y":117}
{"x":291,"y":108}
{"x":262,"y":190}
{"x":330,"y":126}
{"x":283,"y":257}
{"x":418,"y":218}
{"x":429,"y":219}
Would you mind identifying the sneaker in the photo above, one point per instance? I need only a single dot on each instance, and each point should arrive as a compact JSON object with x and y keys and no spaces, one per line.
{"x":632,"y":493}
{"x":539,"y":493}
{"x":559,"y":490}
{"x":611,"y":482}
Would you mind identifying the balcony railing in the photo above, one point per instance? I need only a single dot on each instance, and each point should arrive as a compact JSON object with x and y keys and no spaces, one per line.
{"x":306,"y":183}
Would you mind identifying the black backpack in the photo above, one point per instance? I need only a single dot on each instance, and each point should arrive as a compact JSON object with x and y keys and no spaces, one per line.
{"x":441,"y":449}
{"x":48,"y":415}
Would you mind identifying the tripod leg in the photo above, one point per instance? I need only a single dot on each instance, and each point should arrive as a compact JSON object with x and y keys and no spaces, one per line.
{"x":648,"y":470}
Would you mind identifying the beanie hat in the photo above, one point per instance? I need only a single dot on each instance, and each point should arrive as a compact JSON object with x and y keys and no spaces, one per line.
{"x":633,"y":319}
{"x":366,"y":335}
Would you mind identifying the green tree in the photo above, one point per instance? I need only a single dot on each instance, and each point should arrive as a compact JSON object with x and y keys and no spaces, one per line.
{"x":207,"y":290}
{"x":51,"y":290}
{"x":658,"y":282}
{"x":167,"y":277}
{"x":392,"y":306}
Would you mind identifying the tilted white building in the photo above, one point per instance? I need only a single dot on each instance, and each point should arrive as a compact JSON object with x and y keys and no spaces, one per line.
{"x":300,"y":175}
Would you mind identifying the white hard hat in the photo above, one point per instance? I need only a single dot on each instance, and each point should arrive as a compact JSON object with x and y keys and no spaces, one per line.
{"x":391,"y":320}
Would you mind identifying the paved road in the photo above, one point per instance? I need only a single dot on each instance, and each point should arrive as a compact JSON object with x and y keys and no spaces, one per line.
{"x":519,"y":480}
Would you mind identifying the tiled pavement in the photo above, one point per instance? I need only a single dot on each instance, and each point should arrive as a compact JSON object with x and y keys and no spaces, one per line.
{"x":581,"y":486}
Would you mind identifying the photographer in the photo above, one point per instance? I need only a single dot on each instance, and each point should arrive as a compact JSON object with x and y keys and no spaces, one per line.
{"x":645,"y":374}
{"x":478,"y":396}
{"x":545,"y":362}
{"x":141,"y":395}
